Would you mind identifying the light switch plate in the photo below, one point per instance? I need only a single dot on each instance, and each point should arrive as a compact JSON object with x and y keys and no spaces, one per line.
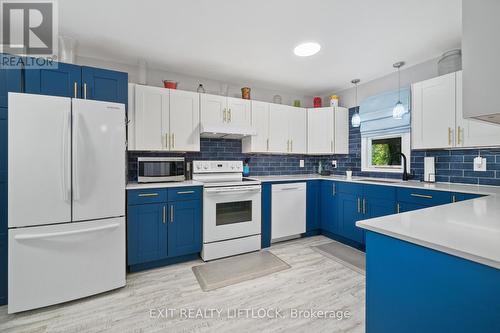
{"x":334,"y":164}
{"x":301,"y":163}
{"x":479,"y":164}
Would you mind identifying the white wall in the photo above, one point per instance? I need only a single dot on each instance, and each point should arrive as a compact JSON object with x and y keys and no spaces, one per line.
{"x":416,"y":73}
{"x":155,"y":77}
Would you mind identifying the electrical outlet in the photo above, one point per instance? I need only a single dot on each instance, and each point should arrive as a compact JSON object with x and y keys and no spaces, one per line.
{"x":301,"y":163}
{"x":479,"y":164}
{"x":334,"y":164}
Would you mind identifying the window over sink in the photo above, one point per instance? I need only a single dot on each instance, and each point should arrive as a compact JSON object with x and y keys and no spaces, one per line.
{"x":382,"y":153}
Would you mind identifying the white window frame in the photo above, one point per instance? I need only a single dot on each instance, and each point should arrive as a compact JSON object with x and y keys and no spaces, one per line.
{"x":366,"y":153}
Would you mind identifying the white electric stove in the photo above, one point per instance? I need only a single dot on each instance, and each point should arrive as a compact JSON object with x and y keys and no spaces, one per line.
{"x":231,"y":209}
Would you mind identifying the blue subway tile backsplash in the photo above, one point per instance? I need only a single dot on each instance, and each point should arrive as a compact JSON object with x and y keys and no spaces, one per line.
{"x":451,"y":165}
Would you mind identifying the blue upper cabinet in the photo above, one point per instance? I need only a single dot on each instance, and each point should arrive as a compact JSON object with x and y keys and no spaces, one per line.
{"x":105,"y":85}
{"x":184,"y":227}
{"x":10,"y":78}
{"x":328,"y":207}
{"x":313,"y":205}
{"x":64,"y":81}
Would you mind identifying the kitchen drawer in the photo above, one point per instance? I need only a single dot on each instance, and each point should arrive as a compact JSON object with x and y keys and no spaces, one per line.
{"x":184,"y":193}
{"x":145,"y":196}
{"x":423,"y":197}
{"x":379,"y":192}
{"x":350,"y":188}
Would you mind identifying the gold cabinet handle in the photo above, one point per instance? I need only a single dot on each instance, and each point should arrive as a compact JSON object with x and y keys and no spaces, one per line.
{"x":166,"y":141}
{"x":364,"y":206}
{"x":267,"y":144}
{"x":459,"y":139}
{"x":185,"y":192}
{"x":171,"y":213}
{"x":334,"y":190}
{"x":224,"y":115}
{"x":229,"y":115}
{"x":449,"y":136}
{"x":164,"y":214}
{"x":421,"y":196}
{"x":359,"y":205}
{"x":398,"y":208}
{"x":172,"y":140}
{"x":148,"y":194}
{"x":453,"y":198}
{"x":84,"y":91}
{"x":75,"y":89}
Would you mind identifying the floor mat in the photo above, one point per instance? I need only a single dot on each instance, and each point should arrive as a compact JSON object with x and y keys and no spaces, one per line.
{"x":346,"y":255}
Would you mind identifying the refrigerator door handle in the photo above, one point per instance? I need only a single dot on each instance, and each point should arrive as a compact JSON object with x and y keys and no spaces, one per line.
{"x":76,"y":191}
{"x":66,"y":158}
{"x":66,"y":233}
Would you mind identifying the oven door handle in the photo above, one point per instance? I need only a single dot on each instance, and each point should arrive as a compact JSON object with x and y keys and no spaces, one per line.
{"x":229,"y":190}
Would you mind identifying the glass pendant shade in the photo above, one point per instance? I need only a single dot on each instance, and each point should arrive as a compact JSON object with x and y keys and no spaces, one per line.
{"x":398,"y":111}
{"x":356,"y":120}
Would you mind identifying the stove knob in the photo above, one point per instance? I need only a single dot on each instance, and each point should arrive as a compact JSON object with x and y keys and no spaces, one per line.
{"x":198,"y":166}
{"x":205,"y":166}
{"x":232,"y":167}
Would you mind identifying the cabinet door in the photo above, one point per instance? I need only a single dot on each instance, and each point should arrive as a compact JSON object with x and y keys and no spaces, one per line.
{"x":320,"y":131}
{"x":379,"y":201}
{"x":433,"y":114}
{"x":151,"y":118}
{"x":260,"y":123}
{"x":470,"y":132}
{"x":10,"y":79}
{"x":213,"y":109}
{"x":313,"y":217}
{"x":278,"y":128}
{"x":64,"y":81}
{"x":239,"y":112}
{"x":456,"y":197}
{"x":349,"y":210}
{"x":147,"y":233}
{"x":341,"y":130}
{"x":184,"y":120}
{"x":328,"y":207}
{"x":297,"y":129}
{"x":104,"y":85}
{"x":184,"y":227}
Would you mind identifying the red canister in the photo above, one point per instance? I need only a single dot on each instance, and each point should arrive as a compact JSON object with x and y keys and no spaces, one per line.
{"x":317,"y":102}
{"x":170,"y":84}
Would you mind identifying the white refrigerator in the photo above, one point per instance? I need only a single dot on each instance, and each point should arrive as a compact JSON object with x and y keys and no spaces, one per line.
{"x":66,"y":199}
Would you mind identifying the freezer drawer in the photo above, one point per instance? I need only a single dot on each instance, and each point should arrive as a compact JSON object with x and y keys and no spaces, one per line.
{"x":58,"y":263}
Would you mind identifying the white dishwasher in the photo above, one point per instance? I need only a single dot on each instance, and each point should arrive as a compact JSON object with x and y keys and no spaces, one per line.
{"x":288,"y":210}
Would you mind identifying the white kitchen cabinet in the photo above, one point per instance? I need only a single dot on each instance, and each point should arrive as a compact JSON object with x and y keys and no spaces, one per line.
{"x":225,"y":111}
{"x":470,"y":132}
{"x":260,"y":123}
{"x":297,"y":130}
{"x":433,"y":113}
{"x":278,"y":128}
{"x":184,"y":121}
{"x":320,"y":129}
{"x":328,"y":131}
{"x":438,"y":117}
{"x":164,"y":119}
{"x":341,"y":130}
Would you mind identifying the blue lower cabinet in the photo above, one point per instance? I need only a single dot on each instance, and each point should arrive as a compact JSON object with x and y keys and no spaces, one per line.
{"x":349,"y":211}
{"x":409,"y":206}
{"x":184,"y":228}
{"x":313,"y":206}
{"x":105,"y":85}
{"x":456,"y":197}
{"x":328,"y":207}
{"x":422,"y":197}
{"x":147,"y":233}
{"x":266,"y":197}
{"x":10,"y":77}
{"x":63,"y":80}
{"x":378,"y":201}
{"x":3,"y":268}
{"x":162,"y":231}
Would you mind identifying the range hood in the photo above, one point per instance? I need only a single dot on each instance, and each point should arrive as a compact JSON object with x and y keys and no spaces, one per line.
{"x":226,"y":132}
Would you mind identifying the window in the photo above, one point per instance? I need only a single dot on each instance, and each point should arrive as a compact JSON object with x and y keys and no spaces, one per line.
{"x":382,"y":153}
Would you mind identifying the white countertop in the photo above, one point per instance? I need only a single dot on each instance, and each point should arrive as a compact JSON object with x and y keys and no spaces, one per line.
{"x":138,"y":186}
{"x":468,"y":229}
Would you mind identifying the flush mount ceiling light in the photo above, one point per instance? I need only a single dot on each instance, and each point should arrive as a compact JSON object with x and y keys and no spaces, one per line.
{"x":306,"y":49}
{"x":399,"y":110}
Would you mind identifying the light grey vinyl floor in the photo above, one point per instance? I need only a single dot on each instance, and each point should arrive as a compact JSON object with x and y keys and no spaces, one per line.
{"x":159,"y":300}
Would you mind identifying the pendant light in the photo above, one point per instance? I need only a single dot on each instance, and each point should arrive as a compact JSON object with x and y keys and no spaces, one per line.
{"x":399,"y":110}
{"x":356,"y":119}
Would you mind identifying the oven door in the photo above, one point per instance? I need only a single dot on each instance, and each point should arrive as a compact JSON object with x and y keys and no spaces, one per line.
{"x":157,"y":169}
{"x":231,"y":212}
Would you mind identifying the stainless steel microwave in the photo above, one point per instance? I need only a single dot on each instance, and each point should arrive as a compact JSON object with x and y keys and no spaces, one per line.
{"x":160,"y":169}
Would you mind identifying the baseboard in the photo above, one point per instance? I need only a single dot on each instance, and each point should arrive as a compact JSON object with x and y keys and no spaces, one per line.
{"x":161,"y":263}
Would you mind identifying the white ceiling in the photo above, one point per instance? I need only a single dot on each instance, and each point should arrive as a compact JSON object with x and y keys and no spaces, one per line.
{"x":252,"y":41}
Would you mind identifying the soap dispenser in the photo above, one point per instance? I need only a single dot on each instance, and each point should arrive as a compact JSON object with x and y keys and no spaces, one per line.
{"x":320,"y":168}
